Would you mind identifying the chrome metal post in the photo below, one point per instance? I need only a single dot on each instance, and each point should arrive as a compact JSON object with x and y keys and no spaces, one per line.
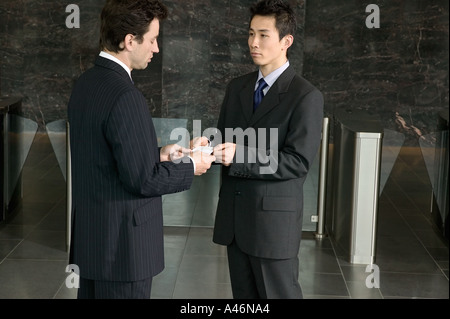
{"x":68,"y":188}
{"x":320,"y":233}
{"x":5,"y":181}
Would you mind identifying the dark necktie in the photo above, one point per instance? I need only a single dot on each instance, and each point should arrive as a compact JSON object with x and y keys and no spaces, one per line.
{"x":258,"y":95}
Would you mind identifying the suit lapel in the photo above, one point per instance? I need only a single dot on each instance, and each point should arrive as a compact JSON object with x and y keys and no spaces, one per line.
{"x":272,"y":98}
{"x":246,"y":97}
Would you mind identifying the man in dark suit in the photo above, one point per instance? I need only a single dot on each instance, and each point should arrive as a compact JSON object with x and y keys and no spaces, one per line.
{"x":118,"y":171}
{"x":267,"y":152}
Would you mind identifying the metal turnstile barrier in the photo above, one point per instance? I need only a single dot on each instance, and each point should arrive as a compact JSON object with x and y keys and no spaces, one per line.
{"x":354,"y":184}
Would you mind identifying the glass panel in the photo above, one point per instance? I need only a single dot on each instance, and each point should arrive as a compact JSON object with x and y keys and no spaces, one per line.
{"x":21,"y":134}
{"x":392,"y":143}
{"x":435,"y":154}
{"x":428,"y":147}
{"x":57,"y":134}
{"x":196,"y":206}
{"x":171,"y":131}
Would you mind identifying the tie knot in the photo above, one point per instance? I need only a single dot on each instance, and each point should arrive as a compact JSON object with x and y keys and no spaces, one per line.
{"x":262,"y":85}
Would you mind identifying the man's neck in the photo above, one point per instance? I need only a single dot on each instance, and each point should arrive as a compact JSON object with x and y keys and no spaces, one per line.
{"x":269,"y":68}
{"x":121,"y":57}
{"x":118,"y":58}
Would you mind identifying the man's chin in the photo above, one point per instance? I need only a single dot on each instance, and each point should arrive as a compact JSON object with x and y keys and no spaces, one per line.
{"x":257,"y":61}
{"x":142,"y":67}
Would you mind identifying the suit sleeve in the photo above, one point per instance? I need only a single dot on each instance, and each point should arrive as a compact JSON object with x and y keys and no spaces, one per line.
{"x":132,"y":139}
{"x":294,"y":154}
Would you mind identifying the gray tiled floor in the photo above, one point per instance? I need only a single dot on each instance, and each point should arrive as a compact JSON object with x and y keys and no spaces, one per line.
{"x":411,"y":254}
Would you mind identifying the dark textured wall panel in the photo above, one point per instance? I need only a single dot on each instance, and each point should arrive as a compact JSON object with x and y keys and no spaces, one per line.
{"x":399,"y":71}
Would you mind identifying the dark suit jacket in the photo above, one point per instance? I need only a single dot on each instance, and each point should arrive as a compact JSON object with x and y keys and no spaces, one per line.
{"x":263,"y":212}
{"x":117,"y":178}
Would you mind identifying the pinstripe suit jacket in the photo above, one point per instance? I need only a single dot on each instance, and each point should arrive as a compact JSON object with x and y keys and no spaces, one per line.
{"x":117,"y":178}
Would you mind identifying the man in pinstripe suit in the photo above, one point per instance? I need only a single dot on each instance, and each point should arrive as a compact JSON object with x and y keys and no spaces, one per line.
{"x":118,"y":171}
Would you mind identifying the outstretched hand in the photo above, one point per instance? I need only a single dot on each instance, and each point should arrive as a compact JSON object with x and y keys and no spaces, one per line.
{"x":225,"y":153}
{"x":173,"y":152}
{"x":199,"y":141}
{"x":202,"y":161}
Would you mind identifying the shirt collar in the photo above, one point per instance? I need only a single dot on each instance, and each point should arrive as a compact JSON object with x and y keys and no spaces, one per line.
{"x":113,"y":58}
{"x":273,"y":76}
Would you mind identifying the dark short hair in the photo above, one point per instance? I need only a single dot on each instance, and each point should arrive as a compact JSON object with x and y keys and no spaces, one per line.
{"x":122,"y":17}
{"x":285,"y":20}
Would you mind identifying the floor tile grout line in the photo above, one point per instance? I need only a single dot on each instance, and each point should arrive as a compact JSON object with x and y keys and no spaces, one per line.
{"x":12,"y":250}
{"x":340,"y":268}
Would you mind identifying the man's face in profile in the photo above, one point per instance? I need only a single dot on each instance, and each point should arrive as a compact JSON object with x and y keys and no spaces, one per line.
{"x":143,"y":52}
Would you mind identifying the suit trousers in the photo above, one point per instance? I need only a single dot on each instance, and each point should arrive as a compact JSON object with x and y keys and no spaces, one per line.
{"x":261,"y":278}
{"x":100,"y":289}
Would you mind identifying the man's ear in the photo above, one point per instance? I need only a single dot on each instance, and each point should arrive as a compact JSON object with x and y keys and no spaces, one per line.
{"x":128,"y":43}
{"x":287,"y":41}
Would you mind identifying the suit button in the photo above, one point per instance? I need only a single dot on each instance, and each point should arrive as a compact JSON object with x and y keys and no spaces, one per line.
{"x":238,"y":193}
